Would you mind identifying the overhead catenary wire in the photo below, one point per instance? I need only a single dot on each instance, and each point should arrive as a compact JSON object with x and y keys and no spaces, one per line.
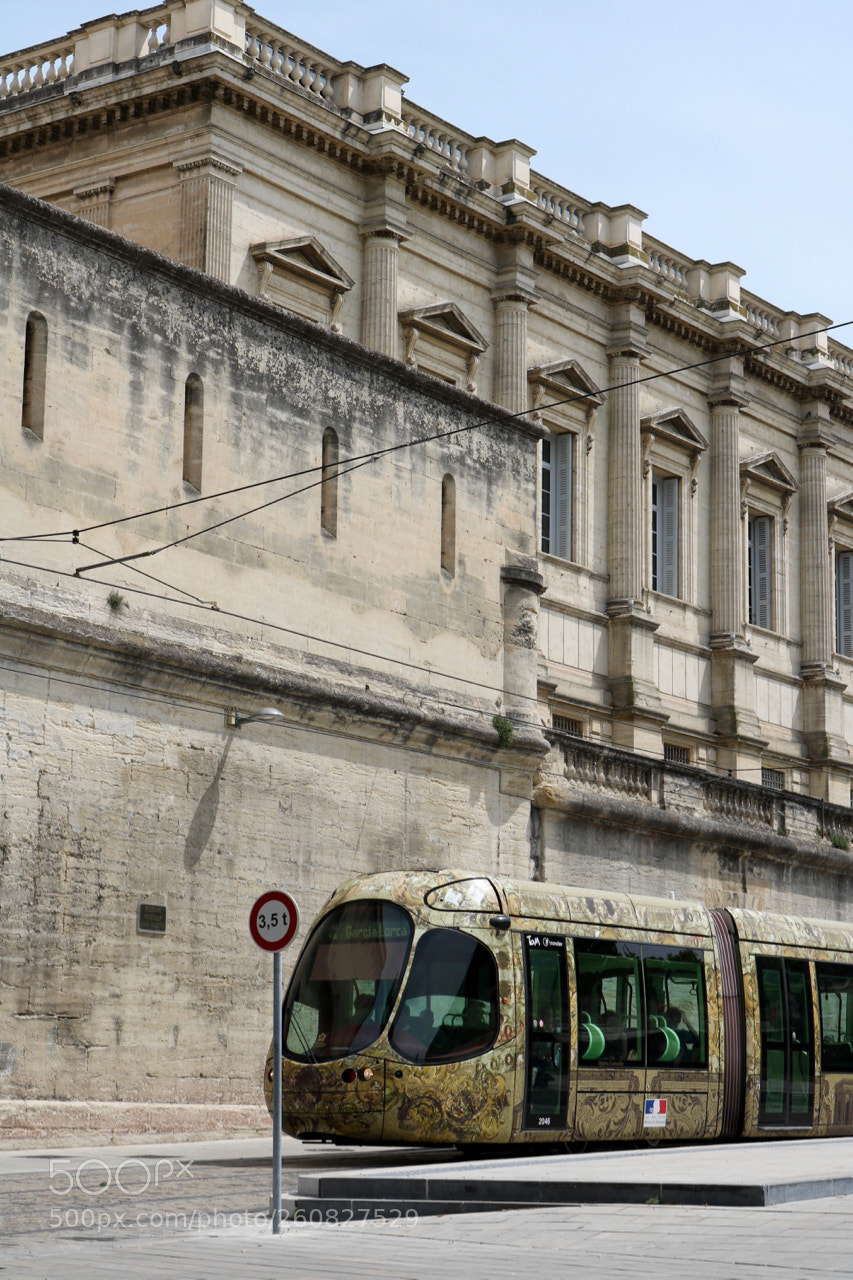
{"x":373,"y":455}
{"x":150,"y":576}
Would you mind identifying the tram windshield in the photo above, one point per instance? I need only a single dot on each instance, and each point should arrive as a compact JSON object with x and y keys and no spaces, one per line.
{"x":346,"y":981}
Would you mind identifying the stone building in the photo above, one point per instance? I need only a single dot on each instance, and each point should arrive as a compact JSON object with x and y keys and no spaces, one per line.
{"x":228,"y":257}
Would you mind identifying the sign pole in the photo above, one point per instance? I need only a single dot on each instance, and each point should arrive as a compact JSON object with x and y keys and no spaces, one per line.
{"x":273,"y":922}
{"x":276,"y":1094}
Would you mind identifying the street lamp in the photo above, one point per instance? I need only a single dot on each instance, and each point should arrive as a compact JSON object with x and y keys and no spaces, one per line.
{"x":264,"y":715}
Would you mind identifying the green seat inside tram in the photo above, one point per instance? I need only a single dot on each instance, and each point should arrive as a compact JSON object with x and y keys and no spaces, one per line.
{"x":591,"y":1039}
{"x":664,"y":1042}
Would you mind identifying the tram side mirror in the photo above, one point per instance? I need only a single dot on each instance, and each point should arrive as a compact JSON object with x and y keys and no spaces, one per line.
{"x":500,"y":922}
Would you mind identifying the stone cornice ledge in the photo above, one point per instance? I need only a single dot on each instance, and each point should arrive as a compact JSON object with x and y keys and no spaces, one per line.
{"x":195,"y":674}
{"x":703,"y":828}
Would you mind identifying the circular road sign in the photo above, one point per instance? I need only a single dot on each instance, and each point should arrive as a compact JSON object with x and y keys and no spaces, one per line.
{"x":273,"y":920}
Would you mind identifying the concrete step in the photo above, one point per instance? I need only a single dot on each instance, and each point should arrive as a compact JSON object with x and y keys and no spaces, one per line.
{"x":364,"y":1197}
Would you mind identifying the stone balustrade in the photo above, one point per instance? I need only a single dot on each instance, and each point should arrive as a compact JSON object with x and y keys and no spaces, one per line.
{"x":664,"y":262}
{"x":841,"y":359}
{"x":598,"y":768}
{"x":762,"y":317}
{"x":432,"y":134}
{"x":45,"y":64}
{"x":740,"y":803}
{"x":560,"y":205}
{"x":609,"y":771}
{"x":270,"y":49}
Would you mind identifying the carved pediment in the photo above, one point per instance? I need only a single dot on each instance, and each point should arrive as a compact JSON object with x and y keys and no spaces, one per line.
{"x":305,"y":256}
{"x":675,"y":426}
{"x":841,"y":506}
{"x":561,"y":381}
{"x":447,"y":323}
{"x":298,"y":273}
{"x":768,"y":469}
{"x":445,"y":327}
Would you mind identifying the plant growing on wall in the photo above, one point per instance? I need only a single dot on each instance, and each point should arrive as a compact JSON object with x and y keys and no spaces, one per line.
{"x":503,"y":728}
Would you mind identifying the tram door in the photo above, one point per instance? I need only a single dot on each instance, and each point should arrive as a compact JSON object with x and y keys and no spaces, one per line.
{"x":546,"y":1086}
{"x":786,"y":1099}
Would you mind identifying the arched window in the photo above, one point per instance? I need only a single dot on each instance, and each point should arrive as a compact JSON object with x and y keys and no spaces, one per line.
{"x":35,"y":368}
{"x":448,"y":525}
{"x":329,"y":483}
{"x":193,"y":430}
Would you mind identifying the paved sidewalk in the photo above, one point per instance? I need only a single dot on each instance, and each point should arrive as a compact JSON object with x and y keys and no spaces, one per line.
{"x":794,"y":1242}
{"x":800,"y":1241}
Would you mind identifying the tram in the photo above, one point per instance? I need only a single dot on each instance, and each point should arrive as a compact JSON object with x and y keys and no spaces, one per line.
{"x":452,"y":1007}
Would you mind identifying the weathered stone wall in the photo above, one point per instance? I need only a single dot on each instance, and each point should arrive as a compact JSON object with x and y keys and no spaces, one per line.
{"x":121,"y":783}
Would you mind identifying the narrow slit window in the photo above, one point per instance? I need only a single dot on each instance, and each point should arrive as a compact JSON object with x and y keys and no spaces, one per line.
{"x":193,"y":430}
{"x":35,"y":370}
{"x":329,"y":484}
{"x":448,"y":525}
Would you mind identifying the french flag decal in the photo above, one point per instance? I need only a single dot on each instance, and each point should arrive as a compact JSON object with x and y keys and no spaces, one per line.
{"x":655,"y":1113}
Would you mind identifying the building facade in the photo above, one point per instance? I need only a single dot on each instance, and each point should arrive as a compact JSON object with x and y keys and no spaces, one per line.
{"x":230,"y":259}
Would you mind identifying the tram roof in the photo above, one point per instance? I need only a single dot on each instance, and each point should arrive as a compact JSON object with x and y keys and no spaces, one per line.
{"x":542,"y":901}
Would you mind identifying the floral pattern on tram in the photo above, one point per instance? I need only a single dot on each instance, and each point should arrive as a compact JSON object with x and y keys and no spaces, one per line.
{"x":450,"y":1103}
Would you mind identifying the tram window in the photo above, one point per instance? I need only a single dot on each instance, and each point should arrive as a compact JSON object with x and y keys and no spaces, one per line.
{"x":675,"y":1006}
{"x":610,"y":1027}
{"x":346,"y":980}
{"x":449,"y":1008}
{"x":614,"y":1029}
{"x":835,"y":999}
{"x":464,"y":895}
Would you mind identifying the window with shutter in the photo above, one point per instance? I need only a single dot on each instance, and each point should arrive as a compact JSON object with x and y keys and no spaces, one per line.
{"x":844,"y":603}
{"x":556,"y":494}
{"x":759,"y":566}
{"x":665,"y":535}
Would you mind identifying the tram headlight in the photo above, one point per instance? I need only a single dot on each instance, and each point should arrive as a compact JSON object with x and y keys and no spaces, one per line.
{"x":366,"y":1073}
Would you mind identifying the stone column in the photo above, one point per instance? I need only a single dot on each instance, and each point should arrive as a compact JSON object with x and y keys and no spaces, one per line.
{"x":732,"y":661}
{"x":513,"y":293}
{"x":207,"y":192}
{"x":815,"y":597}
{"x":523,"y":585}
{"x":636,"y":702}
{"x":95,"y":201}
{"x":379,"y":323}
{"x":823,"y":722}
{"x":725,"y":548}
{"x":383,"y":230}
{"x":625,"y":495}
{"x":510,"y":384}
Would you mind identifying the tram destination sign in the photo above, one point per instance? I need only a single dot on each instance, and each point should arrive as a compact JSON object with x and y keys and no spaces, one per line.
{"x":273,"y":920}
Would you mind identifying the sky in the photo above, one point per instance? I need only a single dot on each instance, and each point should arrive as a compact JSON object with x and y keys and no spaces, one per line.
{"x":726,"y":122}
